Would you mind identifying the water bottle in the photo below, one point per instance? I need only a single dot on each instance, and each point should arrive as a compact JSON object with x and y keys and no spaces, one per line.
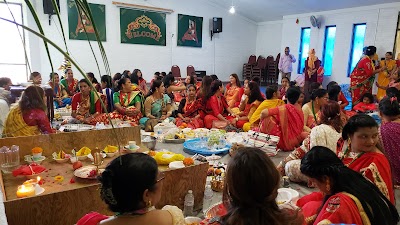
{"x":189,"y":203}
{"x":208,"y":195}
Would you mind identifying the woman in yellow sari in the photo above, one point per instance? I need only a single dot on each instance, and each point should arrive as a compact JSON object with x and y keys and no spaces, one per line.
{"x":29,"y":117}
{"x":383,"y":77}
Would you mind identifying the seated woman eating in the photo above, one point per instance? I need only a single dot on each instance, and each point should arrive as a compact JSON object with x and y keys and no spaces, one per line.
{"x":131,"y":186}
{"x":86,"y":106}
{"x":69,"y":83}
{"x":157,"y":106}
{"x":326,"y":134}
{"x":250,"y":104}
{"x":273,"y":100}
{"x":217,"y":107}
{"x":61,"y":98}
{"x":285,"y":121}
{"x":234,"y":91}
{"x":29,"y":117}
{"x":127,"y":103}
{"x":251,"y":187}
{"x":346,"y":197}
{"x":359,"y":151}
{"x":190,"y":110}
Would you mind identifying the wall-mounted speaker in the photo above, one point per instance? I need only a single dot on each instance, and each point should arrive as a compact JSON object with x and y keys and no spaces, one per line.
{"x":48,"y":7}
{"x":217,"y":24}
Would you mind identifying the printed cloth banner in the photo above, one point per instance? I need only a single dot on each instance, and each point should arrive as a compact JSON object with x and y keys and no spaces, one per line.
{"x":139,"y":27}
{"x":78,"y":24}
{"x":190,"y":31}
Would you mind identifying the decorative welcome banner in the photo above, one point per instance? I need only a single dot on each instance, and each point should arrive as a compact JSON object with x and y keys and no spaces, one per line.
{"x":139,"y":27}
{"x":80,"y":25}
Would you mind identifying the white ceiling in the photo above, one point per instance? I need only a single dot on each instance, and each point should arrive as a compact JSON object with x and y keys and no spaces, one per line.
{"x":269,"y":10}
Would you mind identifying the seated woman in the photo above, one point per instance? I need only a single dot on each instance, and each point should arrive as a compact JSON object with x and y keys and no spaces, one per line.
{"x":367,"y":104}
{"x":326,"y":134}
{"x":346,"y":197}
{"x":29,"y":117}
{"x":127,"y":103}
{"x":273,"y":100}
{"x":141,"y":82}
{"x":36,"y":78}
{"x":157,"y":106}
{"x":311,"y":110}
{"x":250,"y":104}
{"x":106,"y":86}
{"x":94,"y":81}
{"x":341,"y":99}
{"x":234,"y":91}
{"x":131,"y":186}
{"x":250,"y":190}
{"x":69,"y":83}
{"x":217,"y":107}
{"x":179,"y":95}
{"x":61,"y":98}
{"x":205,"y":88}
{"x":285,"y":121}
{"x":284,"y":86}
{"x":390,"y":133}
{"x":171,"y":87}
{"x":360,"y":153}
{"x":190,"y":110}
{"x":86,"y":106}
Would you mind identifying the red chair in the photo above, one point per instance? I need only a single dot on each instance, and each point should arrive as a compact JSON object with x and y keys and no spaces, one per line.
{"x":176,"y":71}
{"x":189,"y":70}
{"x":258,"y":70}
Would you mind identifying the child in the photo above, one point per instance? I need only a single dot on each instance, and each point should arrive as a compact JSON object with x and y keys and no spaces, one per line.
{"x":366,"y":105}
{"x":394,"y":81}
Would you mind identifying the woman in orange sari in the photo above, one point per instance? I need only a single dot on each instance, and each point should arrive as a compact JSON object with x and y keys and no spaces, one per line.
{"x":190,"y":110}
{"x":250,"y":104}
{"x":360,"y":153}
{"x":234,"y":91}
{"x":345,"y":196}
{"x":285,"y":121}
{"x":362,"y":77}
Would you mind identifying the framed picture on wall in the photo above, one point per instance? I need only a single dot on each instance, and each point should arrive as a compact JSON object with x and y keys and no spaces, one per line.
{"x":190,"y":31}
{"x":80,"y":26}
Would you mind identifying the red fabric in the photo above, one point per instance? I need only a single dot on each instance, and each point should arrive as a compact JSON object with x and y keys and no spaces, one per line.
{"x":216,"y":106}
{"x":361,"y":79}
{"x":241,"y":92}
{"x":398,"y":62}
{"x":362,"y":107}
{"x":25,"y":170}
{"x":93,"y":218}
{"x":208,"y":120}
{"x":342,"y":98}
{"x":287,"y":122}
{"x":240,"y":123}
{"x":77,"y":98}
{"x":191,"y":110}
{"x":37,"y":117}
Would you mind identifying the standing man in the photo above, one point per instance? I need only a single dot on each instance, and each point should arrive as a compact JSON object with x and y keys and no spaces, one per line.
{"x":285,"y":63}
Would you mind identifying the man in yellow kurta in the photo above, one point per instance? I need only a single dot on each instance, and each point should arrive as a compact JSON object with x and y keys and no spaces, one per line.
{"x":272,"y":101}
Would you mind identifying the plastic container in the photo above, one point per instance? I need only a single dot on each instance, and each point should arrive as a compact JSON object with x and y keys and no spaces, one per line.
{"x":189,"y":203}
{"x":208,"y":195}
{"x":9,"y":158}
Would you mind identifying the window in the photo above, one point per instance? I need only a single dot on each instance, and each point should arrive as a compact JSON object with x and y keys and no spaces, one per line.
{"x":12,"y":57}
{"x":357,"y":45}
{"x":304,"y":48}
{"x":397,"y":39}
{"x":329,"y":46}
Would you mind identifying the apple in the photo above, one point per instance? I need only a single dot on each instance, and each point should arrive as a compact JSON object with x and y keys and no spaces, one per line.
{"x":76,"y":165}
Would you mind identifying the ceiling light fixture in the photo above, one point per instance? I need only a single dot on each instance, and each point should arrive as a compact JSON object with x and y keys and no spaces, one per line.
{"x":232,"y":9}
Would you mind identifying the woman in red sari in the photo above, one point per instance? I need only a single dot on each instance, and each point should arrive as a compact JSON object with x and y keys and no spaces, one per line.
{"x":362,"y":78}
{"x":285,"y":121}
{"x":190,"y":110}
{"x":217,"y":107}
{"x":360,"y":153}
{"x":345,"y":196}
{"x":86,"y":106}
{"x":69,"y":83}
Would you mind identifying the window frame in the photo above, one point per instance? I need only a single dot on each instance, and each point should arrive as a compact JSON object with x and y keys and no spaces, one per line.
{"x":301,"y":48}
{"x":349,"y":70}
{"x":324,"y":47}
{"x":23,"y":39}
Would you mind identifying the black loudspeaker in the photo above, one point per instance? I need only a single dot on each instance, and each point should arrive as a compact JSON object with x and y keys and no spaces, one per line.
{"x":217,"y":25}
{"x":48,"y":7}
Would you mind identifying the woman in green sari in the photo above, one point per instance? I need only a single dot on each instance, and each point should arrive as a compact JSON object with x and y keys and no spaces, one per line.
{"x":127,"y":103}
{"x":158,"y":105}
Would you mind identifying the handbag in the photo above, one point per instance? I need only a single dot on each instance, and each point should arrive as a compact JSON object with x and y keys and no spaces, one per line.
{"x":265,"y":142}
{"x":219,"y":124}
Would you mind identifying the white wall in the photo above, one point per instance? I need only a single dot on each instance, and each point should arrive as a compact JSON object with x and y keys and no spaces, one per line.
{"x":224,"y":55}
{"x":381,"y":23}
{"x":269,"y":38}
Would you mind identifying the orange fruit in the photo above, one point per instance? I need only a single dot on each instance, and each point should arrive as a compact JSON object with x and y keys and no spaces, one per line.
{"x":188,"y":161}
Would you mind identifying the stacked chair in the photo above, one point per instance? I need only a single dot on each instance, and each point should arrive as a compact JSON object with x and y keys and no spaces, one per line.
{"x":247,"y":67}
{"x":266,"y":69}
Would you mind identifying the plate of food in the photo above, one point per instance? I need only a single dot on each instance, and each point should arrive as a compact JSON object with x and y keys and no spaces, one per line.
{"x":88,"y":172}
{"x":200,"y":146}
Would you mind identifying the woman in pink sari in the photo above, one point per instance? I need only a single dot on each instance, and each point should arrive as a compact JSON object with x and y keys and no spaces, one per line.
{"x":285,"y":121}
{"x":390,"y":133}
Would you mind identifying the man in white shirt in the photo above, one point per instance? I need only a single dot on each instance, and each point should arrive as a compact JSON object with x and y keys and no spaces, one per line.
{"x":285,"y":63}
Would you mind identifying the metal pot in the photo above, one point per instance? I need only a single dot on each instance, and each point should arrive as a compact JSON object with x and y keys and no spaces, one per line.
{"x":150,"y":144}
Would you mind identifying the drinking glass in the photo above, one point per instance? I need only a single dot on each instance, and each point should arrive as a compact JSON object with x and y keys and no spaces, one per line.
{"x":9,"y":158}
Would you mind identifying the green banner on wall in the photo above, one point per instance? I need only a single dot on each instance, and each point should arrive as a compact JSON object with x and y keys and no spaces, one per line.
{"x":190,"y":31}
{"x":80,"y":25}
{"x":139,"y":27}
